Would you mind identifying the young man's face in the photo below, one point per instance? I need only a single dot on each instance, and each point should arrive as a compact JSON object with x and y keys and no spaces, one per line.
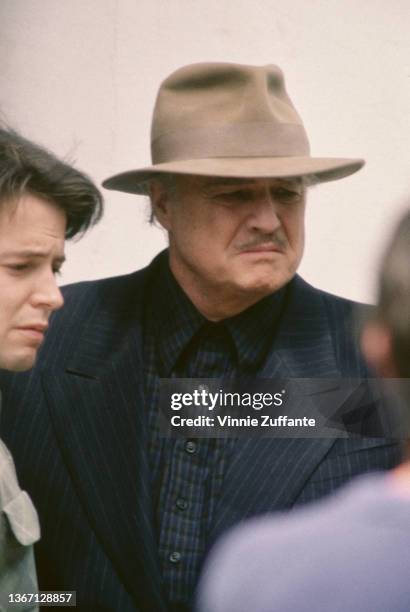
{"x":32,"y":236}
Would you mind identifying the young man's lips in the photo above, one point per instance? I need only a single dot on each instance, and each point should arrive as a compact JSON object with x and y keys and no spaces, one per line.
{"x":36,"y":332}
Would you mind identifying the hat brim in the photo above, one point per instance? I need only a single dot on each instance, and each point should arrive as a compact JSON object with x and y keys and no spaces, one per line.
{"x":323,"y":169}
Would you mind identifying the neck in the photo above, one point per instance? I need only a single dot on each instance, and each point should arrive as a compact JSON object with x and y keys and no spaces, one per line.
{"x":215,"y":303}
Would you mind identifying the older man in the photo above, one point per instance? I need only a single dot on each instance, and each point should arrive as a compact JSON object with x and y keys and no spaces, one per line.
{"x":42,"y":200}
{"x":130,"y":514}
{"x":349,"y":552}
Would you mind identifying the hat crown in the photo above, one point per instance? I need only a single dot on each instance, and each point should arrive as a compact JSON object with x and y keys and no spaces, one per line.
{"x":221,"y":93}
{"x":225,"y":110}
{"x":230,"y":120}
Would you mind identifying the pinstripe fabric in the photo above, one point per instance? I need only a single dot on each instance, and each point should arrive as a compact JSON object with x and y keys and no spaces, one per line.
{"x":77,"y":431}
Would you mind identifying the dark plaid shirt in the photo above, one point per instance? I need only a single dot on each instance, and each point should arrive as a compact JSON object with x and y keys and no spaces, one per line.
{"x":187,"y":475}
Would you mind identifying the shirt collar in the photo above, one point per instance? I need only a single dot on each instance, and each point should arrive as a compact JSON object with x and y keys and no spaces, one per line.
{"x":253,"y":330}
{"x":172,"y":317}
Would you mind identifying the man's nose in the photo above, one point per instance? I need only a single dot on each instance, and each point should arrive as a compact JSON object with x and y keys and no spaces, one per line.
{"x":47,"y":294}
{"x":264,"y":217}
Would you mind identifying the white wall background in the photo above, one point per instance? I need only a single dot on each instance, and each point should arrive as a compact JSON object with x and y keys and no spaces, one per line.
{"x":81,"y":76}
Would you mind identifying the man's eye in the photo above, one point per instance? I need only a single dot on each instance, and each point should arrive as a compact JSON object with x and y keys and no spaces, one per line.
{"x":18,"y":267}
{"x":57,"y":271}
{"x":239,"y":195}
{"x":287,"y":195}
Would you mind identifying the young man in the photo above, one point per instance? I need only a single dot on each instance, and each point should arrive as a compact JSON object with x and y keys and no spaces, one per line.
{"x":352,"y":551}
{"x":42,"y":202}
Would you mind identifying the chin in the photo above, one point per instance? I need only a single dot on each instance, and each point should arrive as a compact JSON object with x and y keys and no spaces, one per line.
{"x":19,"y":363}
{"x":267,"y":278}
{"x":266,"y":284}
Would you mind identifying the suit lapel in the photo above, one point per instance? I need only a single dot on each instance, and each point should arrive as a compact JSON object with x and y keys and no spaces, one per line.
{"x":303,"y":345}
{"x":269,"y":473}
{"x":97,"y":409}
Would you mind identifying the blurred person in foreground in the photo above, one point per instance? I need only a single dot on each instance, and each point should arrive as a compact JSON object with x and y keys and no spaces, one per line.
{"x":351,"y":551}
{"x":42,"y":202}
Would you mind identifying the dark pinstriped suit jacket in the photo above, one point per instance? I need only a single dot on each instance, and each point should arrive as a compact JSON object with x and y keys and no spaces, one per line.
{"x":76,"y":427}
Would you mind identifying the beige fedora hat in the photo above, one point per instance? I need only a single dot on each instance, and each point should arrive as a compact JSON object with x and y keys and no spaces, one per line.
{"x":230,"y":120}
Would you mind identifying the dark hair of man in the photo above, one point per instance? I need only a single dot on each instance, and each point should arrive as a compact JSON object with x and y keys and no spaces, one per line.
{"x":26,"y":167}
{"x":393,"y":308}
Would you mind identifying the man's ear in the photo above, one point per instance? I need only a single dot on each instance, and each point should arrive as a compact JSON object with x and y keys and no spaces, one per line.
{"x":160,"y":202}
{"x":377,"y":346}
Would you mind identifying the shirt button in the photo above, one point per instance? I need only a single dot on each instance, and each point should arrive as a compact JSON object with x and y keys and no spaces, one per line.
{"x":181,"y":503}
{"x":175,"y":557}
{"x":190,"y":447}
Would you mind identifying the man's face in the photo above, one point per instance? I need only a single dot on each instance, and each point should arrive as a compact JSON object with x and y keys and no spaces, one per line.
{"x":31,"y":252}
{"x":242,"y":237}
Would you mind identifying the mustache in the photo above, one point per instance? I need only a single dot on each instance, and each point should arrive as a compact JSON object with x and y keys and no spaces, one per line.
{"x":276,"y":240}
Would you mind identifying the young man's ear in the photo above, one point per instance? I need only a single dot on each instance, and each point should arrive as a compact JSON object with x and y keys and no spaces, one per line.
{"x":160,"y":203}
{"x":377,"y":346}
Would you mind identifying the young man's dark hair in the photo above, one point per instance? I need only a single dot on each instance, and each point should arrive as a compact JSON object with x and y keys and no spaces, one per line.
{"x":26,"y":167}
